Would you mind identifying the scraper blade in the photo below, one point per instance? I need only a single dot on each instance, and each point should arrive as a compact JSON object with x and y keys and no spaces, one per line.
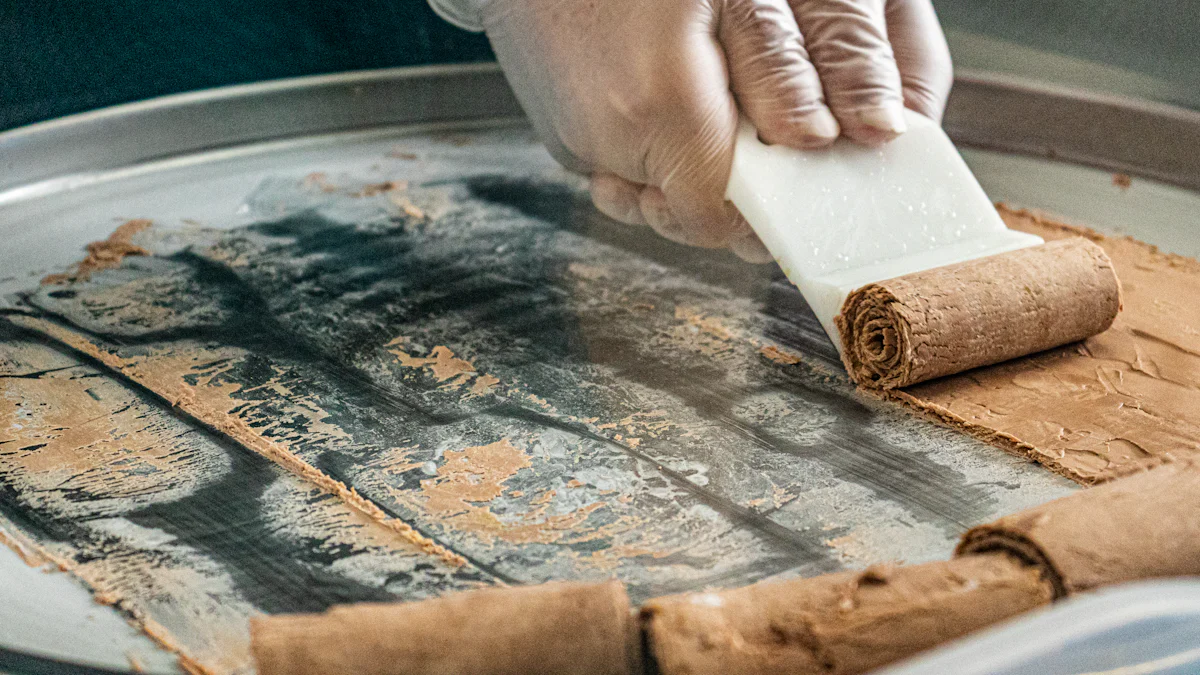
{"x":839,"y":218}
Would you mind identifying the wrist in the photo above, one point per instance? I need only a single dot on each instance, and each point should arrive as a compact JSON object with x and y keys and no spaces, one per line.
{"x":466,"y":14}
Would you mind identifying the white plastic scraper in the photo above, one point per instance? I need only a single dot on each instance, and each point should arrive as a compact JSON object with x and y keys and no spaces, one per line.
{"x":840,"y":218}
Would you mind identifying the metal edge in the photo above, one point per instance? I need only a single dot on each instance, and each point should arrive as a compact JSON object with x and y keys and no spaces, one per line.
{"x":1116,"y":133}
{"x":74,"y":181}
{"x":256,"y":89}
{"x":134,"y":133}
{"x":986,"y":110}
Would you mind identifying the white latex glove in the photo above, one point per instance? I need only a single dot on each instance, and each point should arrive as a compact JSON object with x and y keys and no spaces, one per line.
{"x":643,"y":95}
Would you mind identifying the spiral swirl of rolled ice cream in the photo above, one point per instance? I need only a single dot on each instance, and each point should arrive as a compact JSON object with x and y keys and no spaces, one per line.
{"x":1144,"y":526}
{"x":950,"y":319}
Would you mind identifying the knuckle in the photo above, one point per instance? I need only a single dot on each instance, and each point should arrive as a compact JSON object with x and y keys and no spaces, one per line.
{"x":765,"y":25}
{"x":645,"y":100}
{"x":634,"y":105}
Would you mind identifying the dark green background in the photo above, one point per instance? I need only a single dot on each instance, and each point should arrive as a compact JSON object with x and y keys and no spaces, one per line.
{"x":60,"y":57}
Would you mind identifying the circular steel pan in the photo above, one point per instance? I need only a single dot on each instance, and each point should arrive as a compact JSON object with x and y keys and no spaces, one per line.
{"x":987,"y":111}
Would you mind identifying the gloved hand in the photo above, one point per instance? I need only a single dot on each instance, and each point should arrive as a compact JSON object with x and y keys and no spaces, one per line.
{"x":643,"y":95}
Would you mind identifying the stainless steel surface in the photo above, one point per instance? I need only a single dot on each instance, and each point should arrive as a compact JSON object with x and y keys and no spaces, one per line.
{"x":188,"y":123}
{"x":1151,"y":140}
{"x":47,"y":614}
{"x":1045,"y":63}
{"x":883,"y":485}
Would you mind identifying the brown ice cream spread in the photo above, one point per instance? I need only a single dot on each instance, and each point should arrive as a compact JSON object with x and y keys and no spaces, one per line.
{"x":105,"y":255}
{"x":1123,"y":399}
{"x":838,"y":623}
{"x":1140,"y":527}
{"x":560,"y":628}
{"x":951,"y":319}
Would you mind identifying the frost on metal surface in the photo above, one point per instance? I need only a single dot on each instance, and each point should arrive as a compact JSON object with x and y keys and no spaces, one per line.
{"x":188,"y":533}
{"x":396,"y":389}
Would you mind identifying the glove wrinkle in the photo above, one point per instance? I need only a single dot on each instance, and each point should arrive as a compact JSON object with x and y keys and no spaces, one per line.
{"x":644,"y":97}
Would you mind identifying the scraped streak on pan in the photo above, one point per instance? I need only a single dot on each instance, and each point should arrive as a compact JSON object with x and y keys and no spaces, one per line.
{"x":189,"y":537}
{"x":507,"y":449}
{"x":212,"y":407}
{"x":112,"y":469}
